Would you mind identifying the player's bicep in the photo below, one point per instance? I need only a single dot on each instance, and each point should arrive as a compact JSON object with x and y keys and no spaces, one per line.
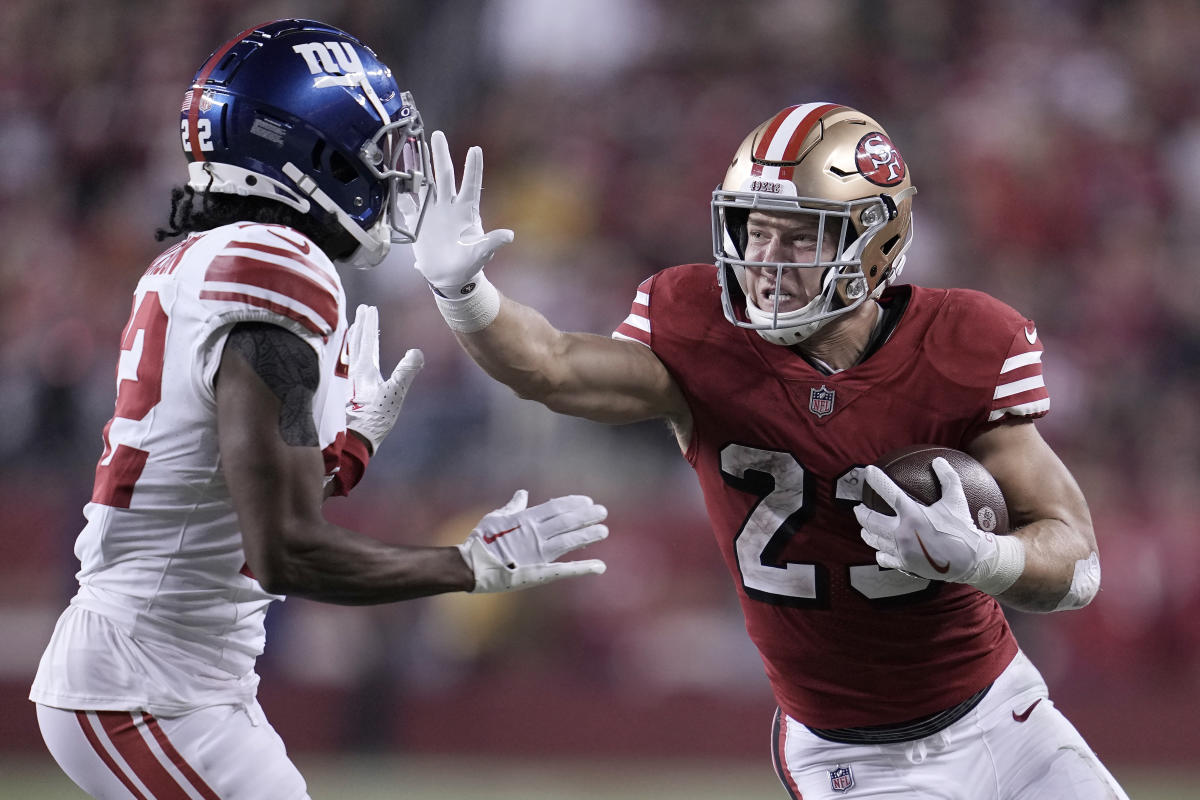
{"x":288,"y":368}
{"x":1036,"y":483}
{"x":268,"y":441}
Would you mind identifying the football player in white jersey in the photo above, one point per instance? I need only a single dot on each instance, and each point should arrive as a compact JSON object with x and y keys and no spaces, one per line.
{"x":244,"y":399}
{"x":785,"y":372}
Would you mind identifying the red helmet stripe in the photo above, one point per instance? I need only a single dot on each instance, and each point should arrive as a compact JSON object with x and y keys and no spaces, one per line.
{"x":794,"y":123}
{"x":792,"y":151}
{"x":198,"y":89}
{"x":764,"y":142}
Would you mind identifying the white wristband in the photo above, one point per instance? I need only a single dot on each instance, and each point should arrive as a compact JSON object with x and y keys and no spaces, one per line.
{"x":998,"y":573}
{"x":472,"y":311}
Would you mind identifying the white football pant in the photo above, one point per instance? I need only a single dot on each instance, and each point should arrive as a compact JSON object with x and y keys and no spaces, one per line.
{"x":215,"y":753}
{"x":1014,"y":745}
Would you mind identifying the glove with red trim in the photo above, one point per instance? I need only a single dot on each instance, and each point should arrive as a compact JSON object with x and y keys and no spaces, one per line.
{"x":515,"y":547}
{"x":939,"y":541}
{"x":375,"y":404}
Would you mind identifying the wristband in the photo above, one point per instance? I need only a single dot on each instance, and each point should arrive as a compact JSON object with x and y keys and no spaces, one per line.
{"x":473,"y":310}
{"x":352,"y":463}
{"x":1001,"y":571}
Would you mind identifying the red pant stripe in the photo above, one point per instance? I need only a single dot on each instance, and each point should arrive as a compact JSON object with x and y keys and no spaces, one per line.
{"x":193,"y":778}
{"x":94,"y":740}
{"x":121,"y":727}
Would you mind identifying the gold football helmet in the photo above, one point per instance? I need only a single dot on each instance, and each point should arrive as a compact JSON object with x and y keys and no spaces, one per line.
{"x":836,"y":164}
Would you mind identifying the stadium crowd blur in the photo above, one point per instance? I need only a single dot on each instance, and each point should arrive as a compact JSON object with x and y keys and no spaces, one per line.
{"x":1056,"y":146}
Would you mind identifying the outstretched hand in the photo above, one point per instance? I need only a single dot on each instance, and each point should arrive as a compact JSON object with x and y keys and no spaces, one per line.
{"x":451,"y":247}
{"x":374,"y":404}
{"x":515,"y":547}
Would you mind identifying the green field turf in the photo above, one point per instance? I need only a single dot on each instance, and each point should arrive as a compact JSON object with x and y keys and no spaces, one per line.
{"x":460,"y":778}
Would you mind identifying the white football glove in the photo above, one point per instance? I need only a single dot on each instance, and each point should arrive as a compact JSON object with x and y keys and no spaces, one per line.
{"x":451,"y":247}
{"x":938,"y":541}
{"x":374,"y":403}
{"x":515,"y":547}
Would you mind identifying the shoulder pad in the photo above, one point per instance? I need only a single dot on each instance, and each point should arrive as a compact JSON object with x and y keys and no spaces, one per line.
{"x":278,"y":269}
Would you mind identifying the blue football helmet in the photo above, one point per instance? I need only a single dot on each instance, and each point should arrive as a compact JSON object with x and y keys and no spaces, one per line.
{"x":305,"y":114}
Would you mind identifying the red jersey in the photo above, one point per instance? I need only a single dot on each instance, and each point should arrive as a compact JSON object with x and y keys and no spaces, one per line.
{"x":778,"y":447}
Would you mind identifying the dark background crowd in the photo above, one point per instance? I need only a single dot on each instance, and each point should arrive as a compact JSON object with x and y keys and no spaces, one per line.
{"x":1056,"y":146}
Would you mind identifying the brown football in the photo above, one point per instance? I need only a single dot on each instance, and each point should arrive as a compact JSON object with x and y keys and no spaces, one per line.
{"x":912,"y":470}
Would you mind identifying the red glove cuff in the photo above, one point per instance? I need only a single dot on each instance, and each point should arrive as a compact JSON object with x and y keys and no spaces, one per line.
{"x":352,"y":463}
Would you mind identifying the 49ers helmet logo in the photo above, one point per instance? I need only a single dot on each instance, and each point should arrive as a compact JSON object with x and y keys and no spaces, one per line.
{"x":878,"y":160}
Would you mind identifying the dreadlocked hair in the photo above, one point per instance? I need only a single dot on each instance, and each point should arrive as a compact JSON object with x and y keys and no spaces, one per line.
{"x":201,"y":211}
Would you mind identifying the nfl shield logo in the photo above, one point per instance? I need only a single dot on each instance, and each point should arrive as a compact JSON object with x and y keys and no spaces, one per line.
{"x":841,"y":779}
{"x":820,"y":401}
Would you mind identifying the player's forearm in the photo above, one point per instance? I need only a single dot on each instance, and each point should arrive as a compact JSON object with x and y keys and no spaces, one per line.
{"x":520,"y":349}
{"x":1062,"y":568}
{"x":336,"y":565}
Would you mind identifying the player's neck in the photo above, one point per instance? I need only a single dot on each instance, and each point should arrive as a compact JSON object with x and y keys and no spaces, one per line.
{"x":842,"y":343}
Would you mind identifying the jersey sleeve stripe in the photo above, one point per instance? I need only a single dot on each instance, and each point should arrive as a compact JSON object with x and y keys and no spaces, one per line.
{"x":1017,"y":387}
{"x":1033,"y":409}
{"x":638,"y":321}
{"x":1021,"y":360}
{"x":282,"y":255}
{"x":623,"y":337}
{"x":252,"y":273}
{"x":636,"y":326}
{"x":262,"y":302}
{"x":631,"y":332}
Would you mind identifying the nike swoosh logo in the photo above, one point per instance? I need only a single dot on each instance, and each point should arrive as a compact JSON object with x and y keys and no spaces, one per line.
{"x":303,"y":247}
{"x":488,"y":538}
{"x":1025,"y":714}
{"x":941,"y":569}
{"x":1031,"y":335}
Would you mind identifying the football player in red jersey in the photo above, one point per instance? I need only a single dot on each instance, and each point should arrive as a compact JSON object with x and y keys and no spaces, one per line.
{"x":785,"y":372}
{"x":244,"y":399}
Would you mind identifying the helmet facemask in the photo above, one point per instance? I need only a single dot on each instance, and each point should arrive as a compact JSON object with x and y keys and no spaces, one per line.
{"x":397,"y":156}
{"x":844,"y":284}
{"x":837,"y":168}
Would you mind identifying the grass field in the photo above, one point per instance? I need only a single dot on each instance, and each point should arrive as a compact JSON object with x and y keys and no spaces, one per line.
{"x":460,"y":779}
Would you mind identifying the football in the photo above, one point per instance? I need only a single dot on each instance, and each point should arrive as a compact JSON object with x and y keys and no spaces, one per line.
{"x":912,"y":470}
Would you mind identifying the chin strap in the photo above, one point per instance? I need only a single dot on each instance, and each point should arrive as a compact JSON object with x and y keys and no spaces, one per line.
{"x":372,"y":250}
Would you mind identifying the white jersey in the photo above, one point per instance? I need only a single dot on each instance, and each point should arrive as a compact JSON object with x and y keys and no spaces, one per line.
{"x":163,"y":579}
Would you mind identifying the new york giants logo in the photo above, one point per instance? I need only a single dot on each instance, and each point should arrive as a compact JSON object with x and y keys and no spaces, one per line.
{"x":330,"y":58}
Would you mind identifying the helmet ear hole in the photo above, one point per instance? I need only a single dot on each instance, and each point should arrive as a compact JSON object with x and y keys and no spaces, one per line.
{"x":341,"y":168}
{"x":317,"y":152}
{"x":889,"y":244}
{"x":735,"y":224}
